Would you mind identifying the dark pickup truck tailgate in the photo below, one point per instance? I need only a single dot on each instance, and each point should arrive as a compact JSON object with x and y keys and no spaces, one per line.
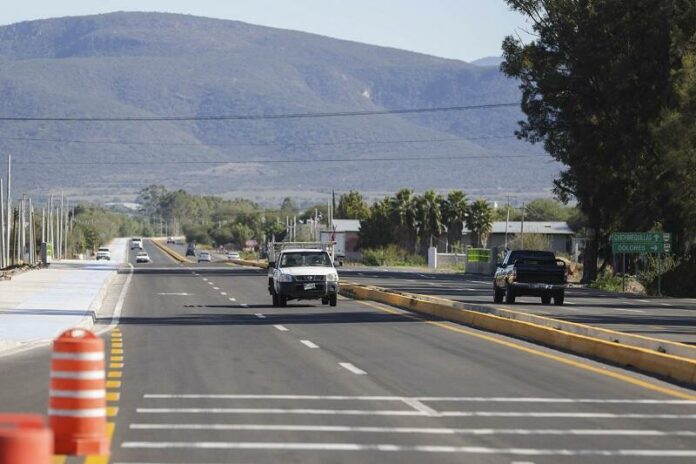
{"x":546,"y":273}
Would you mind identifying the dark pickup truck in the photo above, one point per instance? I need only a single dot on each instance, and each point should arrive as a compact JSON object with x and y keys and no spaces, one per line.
{"x":530,"y":273}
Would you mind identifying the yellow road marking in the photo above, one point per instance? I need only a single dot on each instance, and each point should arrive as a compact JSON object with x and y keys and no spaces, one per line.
{"x":94,"y":459}
{"x":113,"y":384}
{"x":113,"y":396}
{"x":116,"y":351}
{"x":111,"y":411}
{"x":569,"y":362}
{"x":116,"y":366}
{"x":116,"y":358}
{"x":114,"y":374}
{"x":117,"y":345}
{"x":59,"y":459}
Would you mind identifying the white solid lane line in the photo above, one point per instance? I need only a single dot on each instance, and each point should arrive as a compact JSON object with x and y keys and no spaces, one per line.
{"x":416,"y":430}
{"x":473,"y":399}
{"x":584,"y":415}
{"x":402,"y":448}
{"x":259,"y":315}
{"x":629,"y":310}
{"x":309,"y":344}
{"x":321,"y":412}
{"x":282,"y":328}
{"x":350,"y":367}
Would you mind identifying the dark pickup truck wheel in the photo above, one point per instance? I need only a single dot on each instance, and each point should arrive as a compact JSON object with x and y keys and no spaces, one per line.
{"x":546,"y":299}
{"x":558,"y":299}
{"x":282,"y":301}
{"x":333,"y":299}
{"x":276,"y":303}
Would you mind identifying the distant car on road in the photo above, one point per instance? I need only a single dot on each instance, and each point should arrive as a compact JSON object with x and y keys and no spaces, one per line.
{"x":233,"y":255}
{"x":136,"y":243}
{"x":171,"y":240}
{"x":103,"y":253}
{"x":142,"y":257}
{"x":191,"y":250}
{"x":204,"y":256}
{"x":530,"y":273}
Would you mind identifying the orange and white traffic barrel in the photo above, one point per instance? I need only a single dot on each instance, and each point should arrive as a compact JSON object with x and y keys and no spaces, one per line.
{"x":77,"y":398}
{"x":25,"y":439}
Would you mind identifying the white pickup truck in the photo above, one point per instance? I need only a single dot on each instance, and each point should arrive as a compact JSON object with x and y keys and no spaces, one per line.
{"x":302,"y":271}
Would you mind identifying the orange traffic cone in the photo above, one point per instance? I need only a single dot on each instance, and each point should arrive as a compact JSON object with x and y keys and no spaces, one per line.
{"x":25,"y":439}
{"x":77,"y":400}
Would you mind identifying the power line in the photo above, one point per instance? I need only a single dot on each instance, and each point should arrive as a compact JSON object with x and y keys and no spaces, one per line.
{"x":307,"y":160}
{"x":259,"y":144}
{"x":253,"y":117}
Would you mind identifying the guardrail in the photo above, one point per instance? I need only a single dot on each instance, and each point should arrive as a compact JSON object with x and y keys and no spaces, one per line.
{"x":668,"y":366}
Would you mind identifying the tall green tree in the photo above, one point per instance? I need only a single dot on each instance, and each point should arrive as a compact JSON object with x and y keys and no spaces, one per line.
{"x":479,"y":220}
{"x":454,"y":209}
{"x":352,"y":205}
{"x":429,"y":216}
{"x":595,"y":77}
{"x":403,"y":212}
{"x":377,"y":230}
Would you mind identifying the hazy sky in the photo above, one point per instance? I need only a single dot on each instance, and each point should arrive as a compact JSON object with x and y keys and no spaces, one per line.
{"x":462,"y":29}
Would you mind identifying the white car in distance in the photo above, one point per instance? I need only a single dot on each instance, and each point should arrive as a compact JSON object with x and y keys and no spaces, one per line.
{"x":103,"y":253}
{"x":142,"y":257}
{"x":233,"y":255}
{"x":136,"y":243}
{"x":204,"y":256}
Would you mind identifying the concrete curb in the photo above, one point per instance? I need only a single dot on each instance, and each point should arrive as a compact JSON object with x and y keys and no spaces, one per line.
{"x":668,"y":366}
{"x":246,"y":262}
{"x":173,"y":254}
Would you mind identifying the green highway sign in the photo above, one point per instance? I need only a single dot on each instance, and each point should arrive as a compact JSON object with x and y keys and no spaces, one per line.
{"x":641,"y":242}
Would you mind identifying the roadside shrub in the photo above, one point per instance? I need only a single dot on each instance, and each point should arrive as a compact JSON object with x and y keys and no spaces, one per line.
{"x":679,"y":281}
{"x":531,"y":242}
{"x":391,"y":255}
{"x":656,"y":266}
{"x":607,"y":281}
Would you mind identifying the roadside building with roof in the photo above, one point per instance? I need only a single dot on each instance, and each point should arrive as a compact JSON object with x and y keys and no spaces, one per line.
{"x":558,"y":233}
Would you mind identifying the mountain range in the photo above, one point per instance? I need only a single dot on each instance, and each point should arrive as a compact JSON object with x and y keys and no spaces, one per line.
{"x":149,"y":65}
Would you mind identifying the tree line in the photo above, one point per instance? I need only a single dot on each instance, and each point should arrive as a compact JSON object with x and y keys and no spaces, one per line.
{"x":609,"y":89}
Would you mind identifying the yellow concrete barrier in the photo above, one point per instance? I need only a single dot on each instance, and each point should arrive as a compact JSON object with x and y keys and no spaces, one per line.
{"x":176,"y":256}
{"x":653,"y":362}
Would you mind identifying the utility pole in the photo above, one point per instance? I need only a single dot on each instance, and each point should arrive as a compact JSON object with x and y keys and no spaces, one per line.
{"x":522,"y":226}
{"x":507,"y":221}
{"x":2,"y":228}
{"x":8,"y":241}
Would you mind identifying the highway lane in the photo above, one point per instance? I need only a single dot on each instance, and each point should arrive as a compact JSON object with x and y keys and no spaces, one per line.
{"x":668,"y":318}
{"x":211,"y":373}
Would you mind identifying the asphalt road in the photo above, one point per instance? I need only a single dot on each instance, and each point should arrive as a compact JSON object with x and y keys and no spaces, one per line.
{"x":213,"y":374}
{"x":668,"y":318}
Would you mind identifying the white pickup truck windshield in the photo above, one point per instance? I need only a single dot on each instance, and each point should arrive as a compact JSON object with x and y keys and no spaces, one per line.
{"x":309,"y":258}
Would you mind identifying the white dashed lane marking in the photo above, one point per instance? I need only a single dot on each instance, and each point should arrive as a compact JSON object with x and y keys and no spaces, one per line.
{"x":309,"y":344}
{"x":282,"y":328}
{"x":260,"y":316}
{"x":351,"y":368}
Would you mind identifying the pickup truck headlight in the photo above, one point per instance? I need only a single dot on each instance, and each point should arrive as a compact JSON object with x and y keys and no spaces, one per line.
{"x":333,"y":277}
{"x":285,"y":278}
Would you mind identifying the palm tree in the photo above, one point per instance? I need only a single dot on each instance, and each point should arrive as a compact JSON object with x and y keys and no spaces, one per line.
{"x":454,"y":209}
{"x":429,"y":218}
{"x":479,"y":220}
{"x":404,"y":217}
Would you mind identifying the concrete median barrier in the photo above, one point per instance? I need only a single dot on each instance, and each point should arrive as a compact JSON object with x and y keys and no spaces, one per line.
{"x":676,"y":368}
{"x":171,"y":253}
